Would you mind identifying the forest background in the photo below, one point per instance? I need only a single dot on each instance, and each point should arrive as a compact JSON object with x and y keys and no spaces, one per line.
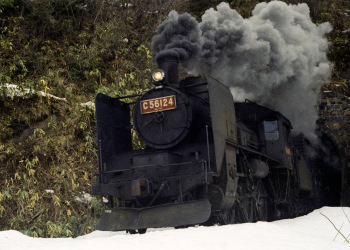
{"x":74,"y":49}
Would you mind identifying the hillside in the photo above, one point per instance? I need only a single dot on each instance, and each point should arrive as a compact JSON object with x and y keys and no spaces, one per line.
{"x":74,"y":49}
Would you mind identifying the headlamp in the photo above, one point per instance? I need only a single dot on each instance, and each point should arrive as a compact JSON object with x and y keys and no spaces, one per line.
{"x":158,"y":75}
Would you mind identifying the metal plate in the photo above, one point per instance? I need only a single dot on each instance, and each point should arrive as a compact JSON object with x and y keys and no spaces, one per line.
{"x":167,"y":215}
{"x":158,"y":104}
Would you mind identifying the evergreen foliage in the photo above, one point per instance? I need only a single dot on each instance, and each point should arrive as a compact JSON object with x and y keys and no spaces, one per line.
{"x":72,"y":49}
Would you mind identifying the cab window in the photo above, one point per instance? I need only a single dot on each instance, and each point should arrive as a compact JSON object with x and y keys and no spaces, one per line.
{"x":271,"y":130}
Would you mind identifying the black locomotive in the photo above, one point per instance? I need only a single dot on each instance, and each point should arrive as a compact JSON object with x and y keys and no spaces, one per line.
{"x":206,"y":159}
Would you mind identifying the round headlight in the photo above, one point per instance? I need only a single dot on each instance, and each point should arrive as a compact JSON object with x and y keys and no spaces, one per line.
{"x":158,"y":75}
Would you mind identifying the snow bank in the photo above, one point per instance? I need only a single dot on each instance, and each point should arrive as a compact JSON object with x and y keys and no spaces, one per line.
{"x":14,"y":90}
{"x":312,"y":231}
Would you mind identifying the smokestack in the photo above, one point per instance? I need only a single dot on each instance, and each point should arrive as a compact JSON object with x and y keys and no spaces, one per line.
{"x":169,"y":65}
{"x":177,"y":40}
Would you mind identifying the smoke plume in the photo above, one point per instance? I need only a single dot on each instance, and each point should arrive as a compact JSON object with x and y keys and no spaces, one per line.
{"x":178,"y":37}
{"x":277,"y":57}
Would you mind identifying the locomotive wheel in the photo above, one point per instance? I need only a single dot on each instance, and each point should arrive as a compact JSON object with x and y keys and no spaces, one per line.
{"x":138,"y":231}
{"x":260,"y":207}
{"x":245,"y":209}
{"x":229,"y":216}
{"x":252,"y":206}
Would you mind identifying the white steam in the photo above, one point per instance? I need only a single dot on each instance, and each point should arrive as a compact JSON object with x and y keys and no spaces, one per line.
{"x":277,"y":57}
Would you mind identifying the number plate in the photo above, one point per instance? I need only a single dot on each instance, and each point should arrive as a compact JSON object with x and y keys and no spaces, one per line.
{"x":158,"y":104}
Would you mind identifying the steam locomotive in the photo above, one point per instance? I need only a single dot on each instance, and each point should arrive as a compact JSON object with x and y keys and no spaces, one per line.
{"x":206,"y":160}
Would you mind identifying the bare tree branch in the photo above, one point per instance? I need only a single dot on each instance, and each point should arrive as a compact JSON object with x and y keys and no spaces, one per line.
{"x":336,"y":228}
{"x":345,"y":214}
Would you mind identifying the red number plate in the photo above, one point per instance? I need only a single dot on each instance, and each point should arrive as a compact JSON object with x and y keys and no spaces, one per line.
{"x":158,"y":104}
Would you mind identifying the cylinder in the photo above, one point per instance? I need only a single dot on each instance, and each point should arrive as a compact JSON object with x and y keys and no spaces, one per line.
{"x":259,"y":169}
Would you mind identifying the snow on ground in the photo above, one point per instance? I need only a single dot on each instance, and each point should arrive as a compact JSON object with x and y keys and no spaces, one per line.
{"x":312,"y":231}
{"x":14,"y":90}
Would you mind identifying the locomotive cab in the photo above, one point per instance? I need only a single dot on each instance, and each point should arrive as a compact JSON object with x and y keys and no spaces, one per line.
{"x":273,"y":131}
{"x":276,"y":131}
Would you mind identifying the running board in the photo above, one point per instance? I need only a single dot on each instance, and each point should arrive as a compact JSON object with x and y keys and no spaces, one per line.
{"x":168,"y":215}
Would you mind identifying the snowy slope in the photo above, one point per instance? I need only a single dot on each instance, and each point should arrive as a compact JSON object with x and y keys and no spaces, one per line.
{"x":312,"y":231}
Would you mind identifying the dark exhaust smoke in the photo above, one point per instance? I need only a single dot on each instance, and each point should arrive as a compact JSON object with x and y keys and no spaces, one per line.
{"x":178,"y":37}
{"x":277,"y":57}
